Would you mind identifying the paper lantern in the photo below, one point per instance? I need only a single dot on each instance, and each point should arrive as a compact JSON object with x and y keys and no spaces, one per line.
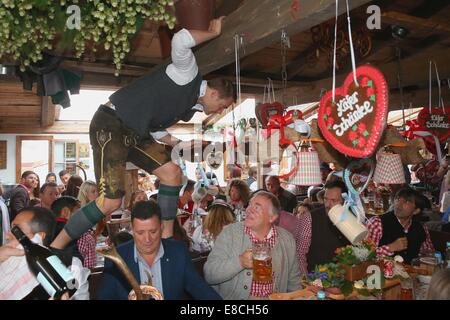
{"x":389,"y":169}
{"x":308,"y":169}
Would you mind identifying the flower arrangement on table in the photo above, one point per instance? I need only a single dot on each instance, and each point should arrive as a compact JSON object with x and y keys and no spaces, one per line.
{"x":393,"y":267}
{"x":355,"y":259}
{"x":329,"y":278}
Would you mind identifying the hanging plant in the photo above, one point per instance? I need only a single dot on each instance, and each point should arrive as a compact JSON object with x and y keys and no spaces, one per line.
{"x":29,"y":27}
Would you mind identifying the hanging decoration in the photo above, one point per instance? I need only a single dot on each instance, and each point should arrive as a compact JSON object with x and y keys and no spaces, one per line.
{"x":436,"y":121}
{"x":354,"y":124}
{"x":432,"y":123}
{"x":353,"y":117}
{"x":358,"y":173}
{"x":280,"y":122}
{"x":389,"y":168}
{"x":307,"y":170}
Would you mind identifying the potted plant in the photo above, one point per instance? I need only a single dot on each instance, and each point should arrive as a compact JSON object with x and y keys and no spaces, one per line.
{"x":330,"y":278}
{"x":355,"y":259}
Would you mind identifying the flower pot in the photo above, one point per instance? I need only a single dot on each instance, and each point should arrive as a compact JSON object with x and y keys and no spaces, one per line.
{"x":356,"y":272}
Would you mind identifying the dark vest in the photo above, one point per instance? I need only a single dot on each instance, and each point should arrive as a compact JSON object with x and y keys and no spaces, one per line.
{"x":325,"y":239}
{"x":392,"y":230}
{"x":155,"y":102}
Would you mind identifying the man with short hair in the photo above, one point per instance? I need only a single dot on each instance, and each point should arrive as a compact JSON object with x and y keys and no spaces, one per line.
{"x":131,"y":124}
{"x":38,"y":224}
{"x":48,"y":193}
{"x":20,"y":195}
{"x":399,"y":232}
{"x":166,"y":261}
{"x":288,"y":200}
{"x":229,"y":267}
{"x":252,"y":175}
{"x":320,"y":232}
{"x":64,"y":176}
{"x":83,"y":247}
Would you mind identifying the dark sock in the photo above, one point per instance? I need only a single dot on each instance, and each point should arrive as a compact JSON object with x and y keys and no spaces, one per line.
{"x":83,"y":220}
{"x":168,"y":201}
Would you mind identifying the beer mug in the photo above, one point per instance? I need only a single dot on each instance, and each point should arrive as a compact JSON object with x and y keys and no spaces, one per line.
{"x":262,"y":262}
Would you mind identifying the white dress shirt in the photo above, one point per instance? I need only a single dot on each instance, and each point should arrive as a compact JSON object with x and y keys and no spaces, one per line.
{"x":183,"y":68}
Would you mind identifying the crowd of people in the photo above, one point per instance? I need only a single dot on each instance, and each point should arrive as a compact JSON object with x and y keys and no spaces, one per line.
{"x":299,"y":233}
{"x":169,"y":220}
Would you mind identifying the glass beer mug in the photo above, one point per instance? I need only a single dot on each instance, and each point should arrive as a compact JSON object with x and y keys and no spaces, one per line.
{"x":262,"y":262}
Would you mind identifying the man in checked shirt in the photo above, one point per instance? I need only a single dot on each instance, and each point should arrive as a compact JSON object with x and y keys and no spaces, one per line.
{"x":229,"y":268}
{"x":399,"y":232}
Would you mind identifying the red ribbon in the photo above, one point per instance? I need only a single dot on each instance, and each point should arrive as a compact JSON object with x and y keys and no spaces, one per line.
{"x":278,"y":122}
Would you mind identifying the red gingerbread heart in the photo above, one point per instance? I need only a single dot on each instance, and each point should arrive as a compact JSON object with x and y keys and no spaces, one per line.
{"x":354,"y":124}
{"x":437,"y":122}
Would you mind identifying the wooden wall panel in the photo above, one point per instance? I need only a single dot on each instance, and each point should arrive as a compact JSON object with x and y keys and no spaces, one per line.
{"x":20,"y":109}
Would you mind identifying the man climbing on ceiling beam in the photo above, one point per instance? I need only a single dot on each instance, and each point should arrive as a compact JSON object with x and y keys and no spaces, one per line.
{"x":131,"y":124}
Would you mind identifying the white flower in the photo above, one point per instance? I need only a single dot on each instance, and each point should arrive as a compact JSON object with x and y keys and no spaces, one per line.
{"x":318,"y":283}
{"x":361,"y":252}
{"x":398,"y":259}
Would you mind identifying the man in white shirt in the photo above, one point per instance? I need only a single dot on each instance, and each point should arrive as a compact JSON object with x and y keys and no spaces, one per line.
{"x":19,"y":283}
{"x":130,"y":125}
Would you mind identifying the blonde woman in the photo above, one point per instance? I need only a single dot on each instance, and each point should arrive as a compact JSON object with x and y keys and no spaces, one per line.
{"x":88,"y":192}
{"x":219,"y":215}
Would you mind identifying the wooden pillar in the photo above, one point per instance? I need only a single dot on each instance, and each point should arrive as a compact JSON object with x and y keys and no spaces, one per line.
{"x":131,"y":184}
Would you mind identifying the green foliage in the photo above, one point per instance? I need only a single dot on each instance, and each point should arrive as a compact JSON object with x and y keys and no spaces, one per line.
{"x":28,"y":27}
{"x":354,"y":255}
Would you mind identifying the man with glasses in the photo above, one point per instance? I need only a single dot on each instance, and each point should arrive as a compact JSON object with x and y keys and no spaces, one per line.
{"x":399,"y":232}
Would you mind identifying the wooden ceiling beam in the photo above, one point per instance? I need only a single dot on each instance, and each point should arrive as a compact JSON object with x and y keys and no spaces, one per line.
{"x":415,"y":73}
{"x":32,"y":126}
{"x":411,"y":22}
{"x":47,"y":112}
{"x":226,"y":7}
{"x":261,"y":22}
{"x":105,"y":68}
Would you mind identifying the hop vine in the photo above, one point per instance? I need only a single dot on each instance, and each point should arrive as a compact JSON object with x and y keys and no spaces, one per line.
{"x":29,"y":27}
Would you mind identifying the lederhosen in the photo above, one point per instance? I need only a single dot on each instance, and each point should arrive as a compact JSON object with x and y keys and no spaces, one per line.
{"x":121,"y":132}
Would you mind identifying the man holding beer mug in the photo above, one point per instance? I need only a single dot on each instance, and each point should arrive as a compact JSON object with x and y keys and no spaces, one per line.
{"x":254,"y":258}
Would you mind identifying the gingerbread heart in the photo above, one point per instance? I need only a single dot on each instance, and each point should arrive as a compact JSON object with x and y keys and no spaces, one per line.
{"x":358,"y":173}
{"x":353,"y":125}
{"x":437,"y":122}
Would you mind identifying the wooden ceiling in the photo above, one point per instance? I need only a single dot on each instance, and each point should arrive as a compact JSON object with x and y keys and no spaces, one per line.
{"x":307,"y":61}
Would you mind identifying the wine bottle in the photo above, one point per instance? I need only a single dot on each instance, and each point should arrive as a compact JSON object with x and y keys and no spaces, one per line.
{"x":49,"y":270}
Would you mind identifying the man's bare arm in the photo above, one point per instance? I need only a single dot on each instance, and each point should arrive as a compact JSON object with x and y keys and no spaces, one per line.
{"x":214,"y":30}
